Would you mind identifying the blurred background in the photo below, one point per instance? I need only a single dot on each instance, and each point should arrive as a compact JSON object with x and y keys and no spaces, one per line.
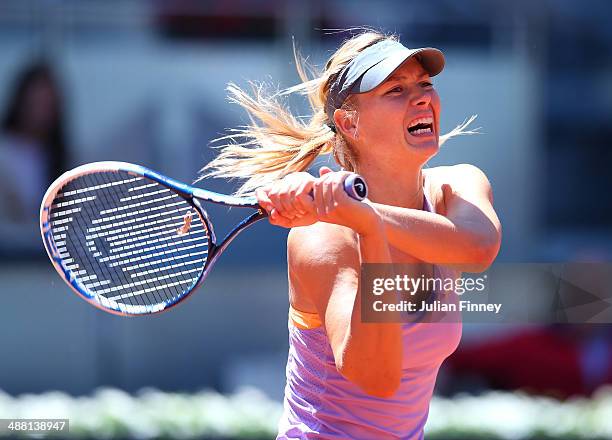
{"x":144,"y":82}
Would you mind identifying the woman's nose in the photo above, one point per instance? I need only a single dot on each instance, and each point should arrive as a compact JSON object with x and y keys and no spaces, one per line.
{"x":420,"y":98}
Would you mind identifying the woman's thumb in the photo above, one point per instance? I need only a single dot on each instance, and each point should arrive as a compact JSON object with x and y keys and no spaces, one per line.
{"x":324,"y":170}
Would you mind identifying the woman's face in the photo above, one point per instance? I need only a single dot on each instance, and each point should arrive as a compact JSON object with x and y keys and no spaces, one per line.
{"x":388,"y":116}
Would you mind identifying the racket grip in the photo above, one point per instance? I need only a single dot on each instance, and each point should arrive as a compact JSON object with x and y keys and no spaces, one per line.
{"x":356,"y":187}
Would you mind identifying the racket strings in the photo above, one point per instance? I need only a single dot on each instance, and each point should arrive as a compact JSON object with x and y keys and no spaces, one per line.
{"x":89,"y":250}
{"x":107,"y":197}
{"x":123,"y":282}
{"x":130,"y":243}
{"x":83,"y":261}
{"x":149,"y":287}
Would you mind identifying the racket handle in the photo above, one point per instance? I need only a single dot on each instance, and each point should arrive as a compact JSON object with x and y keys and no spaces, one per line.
{"x":356,"y":187}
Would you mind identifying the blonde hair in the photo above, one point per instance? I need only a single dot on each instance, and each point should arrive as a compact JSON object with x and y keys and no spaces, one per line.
{"x":277,"y":143}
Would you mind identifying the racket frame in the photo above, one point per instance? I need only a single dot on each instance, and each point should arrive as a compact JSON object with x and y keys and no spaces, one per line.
{"x":191,"y":195}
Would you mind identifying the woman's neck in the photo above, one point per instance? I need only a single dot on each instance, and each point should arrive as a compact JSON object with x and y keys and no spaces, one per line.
{"x":402,"y":188}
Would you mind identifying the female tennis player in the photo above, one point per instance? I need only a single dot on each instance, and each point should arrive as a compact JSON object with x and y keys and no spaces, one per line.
{"x":376,"y":110}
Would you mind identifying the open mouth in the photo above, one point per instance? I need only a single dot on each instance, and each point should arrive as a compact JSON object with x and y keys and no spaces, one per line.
{"x":421,"y":126}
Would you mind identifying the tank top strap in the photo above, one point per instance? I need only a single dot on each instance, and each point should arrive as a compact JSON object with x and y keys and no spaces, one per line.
{"x":427,"y":206}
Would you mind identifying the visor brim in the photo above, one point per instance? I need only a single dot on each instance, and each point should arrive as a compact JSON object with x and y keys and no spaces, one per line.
{"x":430,"y":58}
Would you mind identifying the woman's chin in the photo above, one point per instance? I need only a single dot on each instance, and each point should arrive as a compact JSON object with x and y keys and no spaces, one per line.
{"x":426,"y":146}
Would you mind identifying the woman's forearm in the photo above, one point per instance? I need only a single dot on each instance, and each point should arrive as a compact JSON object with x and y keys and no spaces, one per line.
{"x":430,"y":237}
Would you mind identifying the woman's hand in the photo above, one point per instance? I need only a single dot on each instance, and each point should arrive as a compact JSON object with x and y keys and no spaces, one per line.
{"x":288,"y":201}
{"x":334,"y":205}
{"x":299,"y":199}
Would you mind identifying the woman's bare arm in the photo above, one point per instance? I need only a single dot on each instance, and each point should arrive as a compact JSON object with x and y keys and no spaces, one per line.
{"x":324,"y":265}
{"x":468,"y":236}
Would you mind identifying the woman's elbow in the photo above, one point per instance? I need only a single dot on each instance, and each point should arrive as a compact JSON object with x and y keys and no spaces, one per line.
{"x":484,"y":251}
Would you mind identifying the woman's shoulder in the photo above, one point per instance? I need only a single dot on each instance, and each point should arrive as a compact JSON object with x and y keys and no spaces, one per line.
{"x":320,"y":243}
{"x":315,"y":255}
{"x":452,"y":173}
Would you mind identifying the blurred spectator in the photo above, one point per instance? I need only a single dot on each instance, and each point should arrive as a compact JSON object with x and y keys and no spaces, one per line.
{"x":32,"y":143}
{"x":559,"y":361}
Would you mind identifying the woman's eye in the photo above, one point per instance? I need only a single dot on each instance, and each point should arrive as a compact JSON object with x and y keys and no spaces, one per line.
{"x":396,"y":89}
{"x":427,"y":84}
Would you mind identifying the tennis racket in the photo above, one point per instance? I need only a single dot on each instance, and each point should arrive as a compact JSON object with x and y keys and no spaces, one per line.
{"x":131,"y":241}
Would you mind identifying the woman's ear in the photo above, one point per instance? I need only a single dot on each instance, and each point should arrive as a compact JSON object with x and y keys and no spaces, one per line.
{"x":346,"y":123}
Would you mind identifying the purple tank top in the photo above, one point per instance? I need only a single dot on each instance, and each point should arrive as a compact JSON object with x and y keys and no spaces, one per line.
{"x":321,"y":404}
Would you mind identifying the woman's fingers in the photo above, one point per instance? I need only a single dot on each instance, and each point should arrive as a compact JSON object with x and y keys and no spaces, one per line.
{"x":284,"y":204}
{"x":283,"y":197}
{"x":328,"y":198}
{"x":277,"y":219}
{"x":300,"y":199}
{"x":262,"y":198}
{"x":304,"y":202}
{"x":318,"y":200}
{"x":332,"y":203}
{"x":289,"y":196}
